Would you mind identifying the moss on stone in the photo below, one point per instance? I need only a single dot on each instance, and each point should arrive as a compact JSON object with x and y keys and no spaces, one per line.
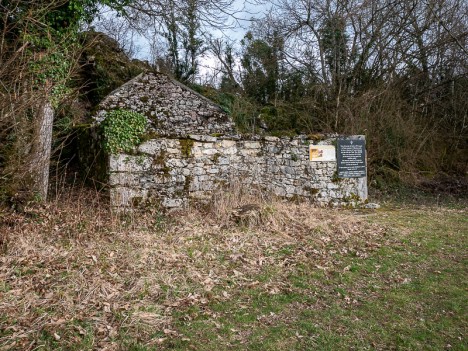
{"x":153,"y":201}
{"x":105,"y":66}
{"x":284,"y":133}
{"x":216,"y":157}
{"x":160,"y":160}
{"x":352,"y":198}
{"x":335,"y":179}
{"x":186,"y":146}
{"x":312,"y":191}
{"x":316,"y":137}
{"x":296,"y":198}
{"x":149,"y":136}
{"x":137,"y":201}
{"x":188,"y":181}
{"x":222,"y":183}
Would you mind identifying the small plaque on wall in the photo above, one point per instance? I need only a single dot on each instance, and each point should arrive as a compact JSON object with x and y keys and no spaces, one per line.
{"x":322,"y":153}
{"x":351,"y":156}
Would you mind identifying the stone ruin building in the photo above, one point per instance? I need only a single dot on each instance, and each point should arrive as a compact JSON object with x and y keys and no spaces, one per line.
{"x":193,"y":149}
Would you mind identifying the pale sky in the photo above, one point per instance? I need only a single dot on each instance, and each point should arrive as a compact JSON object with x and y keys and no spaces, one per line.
{"x":243,"y":20}
{"x":207,"y":63}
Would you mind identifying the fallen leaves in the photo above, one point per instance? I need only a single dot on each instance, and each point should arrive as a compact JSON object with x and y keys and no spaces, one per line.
{"x":81,"y":273}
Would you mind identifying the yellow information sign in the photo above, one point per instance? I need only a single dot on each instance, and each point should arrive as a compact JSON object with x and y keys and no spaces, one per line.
{"x":322,"y":153}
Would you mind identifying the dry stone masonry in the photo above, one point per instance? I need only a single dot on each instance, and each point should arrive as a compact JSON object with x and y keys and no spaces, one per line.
{"x":171,"y":108}
{"x":171,"y":172}
{"x":183,"y":161}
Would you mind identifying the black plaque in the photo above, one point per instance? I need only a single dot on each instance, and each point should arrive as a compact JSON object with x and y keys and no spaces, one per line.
{"x":351,"y":158}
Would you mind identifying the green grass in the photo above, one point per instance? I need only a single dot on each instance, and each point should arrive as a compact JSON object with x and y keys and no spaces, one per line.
{"x":409,"y":294}
{"x":303,"y":279}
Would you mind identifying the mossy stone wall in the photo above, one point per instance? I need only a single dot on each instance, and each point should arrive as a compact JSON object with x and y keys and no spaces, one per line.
{"x":171,"y":172}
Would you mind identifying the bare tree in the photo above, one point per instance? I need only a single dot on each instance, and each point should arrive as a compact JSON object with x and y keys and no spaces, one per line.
{"x":33,"y":76}
{"x":38,"y":54}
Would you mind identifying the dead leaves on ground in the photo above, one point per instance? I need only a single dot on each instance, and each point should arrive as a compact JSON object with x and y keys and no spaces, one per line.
{"x":76,"y":275}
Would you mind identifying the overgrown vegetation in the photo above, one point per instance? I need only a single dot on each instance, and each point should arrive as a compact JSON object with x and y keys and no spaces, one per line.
{"x":306,"y":67}
{"x":39,"y":51}
{"x":247,"y":272}
{"x":104,"y":67}
{"x":342,"y":66}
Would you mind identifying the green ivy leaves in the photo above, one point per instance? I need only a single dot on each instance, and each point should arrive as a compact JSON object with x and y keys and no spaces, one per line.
{"x":122,"y":130}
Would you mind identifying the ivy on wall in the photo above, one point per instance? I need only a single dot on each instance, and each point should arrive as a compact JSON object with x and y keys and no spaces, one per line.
{"x":122,"y":130}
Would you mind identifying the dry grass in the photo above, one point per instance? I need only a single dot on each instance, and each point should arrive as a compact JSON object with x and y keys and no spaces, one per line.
{"x":75,"y":276}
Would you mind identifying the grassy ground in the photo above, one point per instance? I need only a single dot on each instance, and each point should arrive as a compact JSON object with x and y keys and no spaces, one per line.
{"x":284,"y":277}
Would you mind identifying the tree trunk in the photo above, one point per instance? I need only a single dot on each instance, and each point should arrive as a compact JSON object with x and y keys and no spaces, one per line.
{"x":41,"y":152}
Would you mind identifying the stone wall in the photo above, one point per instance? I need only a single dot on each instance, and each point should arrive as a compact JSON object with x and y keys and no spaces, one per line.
{"x":172,"y":109}
{"x":183,"y":160}
{"x":173,"y":171}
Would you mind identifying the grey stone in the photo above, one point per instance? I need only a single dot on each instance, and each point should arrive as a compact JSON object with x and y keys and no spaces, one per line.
{"x":203,"y":138}
{"x":171,"y":203}
{"x":174,"y":175}
{"x":372,"y":205}
{"x":129,"y":163}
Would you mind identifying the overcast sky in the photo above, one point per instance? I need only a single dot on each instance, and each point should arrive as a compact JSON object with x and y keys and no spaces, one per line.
{"x":241,"y":23}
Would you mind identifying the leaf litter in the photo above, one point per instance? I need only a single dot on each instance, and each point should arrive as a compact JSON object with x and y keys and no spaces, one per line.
{"x":74,"y":272}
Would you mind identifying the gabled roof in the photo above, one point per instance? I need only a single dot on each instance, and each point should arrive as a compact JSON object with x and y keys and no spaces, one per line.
{"x":172,"y":108}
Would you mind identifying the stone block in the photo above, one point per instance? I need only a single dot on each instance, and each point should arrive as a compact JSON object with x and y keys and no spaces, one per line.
{"x":252,"y":145}
{"x":206,"y":186}
{"x":248,"y":152}
{"x":129,"y":163}
{"x":172,"y":203}
{"x":197,"y":151}
{"x":210,"y":152}
{"x":151,"y":147}
{"x":174,"y":151}
{"x":224,"y":144}
{"x":206,"y":138}
{"x":224,"y":161}
{"x":199,"y":171}
{"x":127,"y":197}
{"x":278,"y":190}
{"x":200,"y":195}
{"x":289,"y":170}
{"x":123,"y":178}
{"x":176,"y":163}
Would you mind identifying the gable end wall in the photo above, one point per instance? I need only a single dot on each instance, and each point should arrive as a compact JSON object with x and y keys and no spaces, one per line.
{"x":171,"y":108}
